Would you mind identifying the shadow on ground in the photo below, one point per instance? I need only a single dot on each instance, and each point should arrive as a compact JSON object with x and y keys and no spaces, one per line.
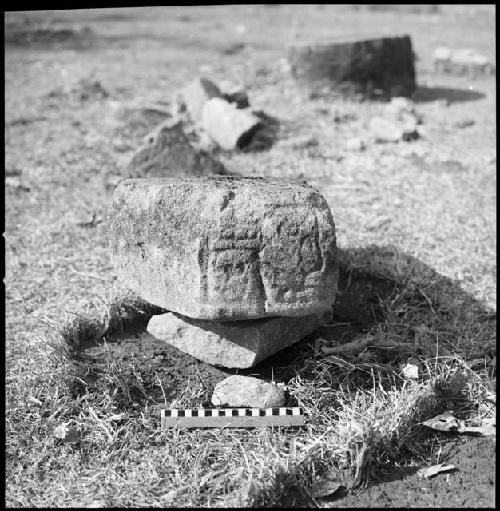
{"x":372,"y":299}
{"x":427,"y":94}
{"x":413,"y":308}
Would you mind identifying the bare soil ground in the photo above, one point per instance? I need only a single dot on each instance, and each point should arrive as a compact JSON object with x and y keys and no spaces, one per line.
{"x":416,"y":227}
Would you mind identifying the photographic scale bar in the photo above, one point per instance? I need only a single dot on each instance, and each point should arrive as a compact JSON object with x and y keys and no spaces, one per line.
{"x":231,"y":417}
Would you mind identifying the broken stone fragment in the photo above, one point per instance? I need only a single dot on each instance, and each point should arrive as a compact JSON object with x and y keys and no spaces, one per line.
{"x":351,"y":65}
{"x":224,"y":247}
{"x":383,"y":130}
{"x":469,"y":61}
{"x":227,"y":120}
{"x":245,"y":391}
{"x":234,"y":94}
{"x":231,"y":127}
{"x":238,"y":97}
{"x":193,"y":96}
{"x":237,"y":344}
{"x":169,"y":152}
{"x":441,"y":58}
{"x":460,"y":61}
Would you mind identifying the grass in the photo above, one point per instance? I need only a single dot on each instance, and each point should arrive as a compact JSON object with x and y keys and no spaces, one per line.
{"x":361,"y":415}
{"x":416,"y":234}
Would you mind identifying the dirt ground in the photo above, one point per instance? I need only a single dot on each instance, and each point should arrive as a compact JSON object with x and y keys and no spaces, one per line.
{"x":471,"y":485}
{"x":79,"y":90}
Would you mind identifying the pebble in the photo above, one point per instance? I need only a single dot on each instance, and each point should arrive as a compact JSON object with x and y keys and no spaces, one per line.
{"x":246,"y":391}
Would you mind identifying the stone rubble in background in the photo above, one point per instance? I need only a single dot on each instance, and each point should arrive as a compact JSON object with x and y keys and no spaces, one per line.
{"x":168,"y":152}
{"x":204,"y":118}
{"x":190,"y":99}
{"x":229,"y":126}
{"x":224,"y":114}
{"x":399,"y":122}
{"x":461,"y":61}
{"x":351,"y":66}
{"x":356,"y":144}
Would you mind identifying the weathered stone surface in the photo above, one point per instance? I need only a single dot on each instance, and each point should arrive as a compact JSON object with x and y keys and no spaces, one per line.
{"x":191,"y":99}
{"x":170,"y":153}
{"x":356,"y":65}
{"x":231,"y":127}
{"x":461,"y":61}
{"x":245,"y":391}
{"x":225,"y":248}
{"x":234,"y":93}
{"x":238,"y":344}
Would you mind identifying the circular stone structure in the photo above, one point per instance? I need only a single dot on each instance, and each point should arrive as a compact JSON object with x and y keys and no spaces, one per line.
{"x":370,"y":65}
{"x":225,"y":248}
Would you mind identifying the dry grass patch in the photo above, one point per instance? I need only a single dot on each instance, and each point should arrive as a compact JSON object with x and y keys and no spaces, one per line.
{"x":83,"y":422}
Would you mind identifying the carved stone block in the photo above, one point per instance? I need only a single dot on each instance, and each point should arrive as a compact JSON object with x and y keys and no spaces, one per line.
{"x":225,"y":248}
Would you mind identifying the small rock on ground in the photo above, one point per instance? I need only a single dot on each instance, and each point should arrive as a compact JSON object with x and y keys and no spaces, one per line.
{"x":384,"y":130}
{"x":240,"y":391}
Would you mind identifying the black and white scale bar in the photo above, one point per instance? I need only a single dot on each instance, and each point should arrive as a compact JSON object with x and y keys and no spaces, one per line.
{"x":231,"y":417}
